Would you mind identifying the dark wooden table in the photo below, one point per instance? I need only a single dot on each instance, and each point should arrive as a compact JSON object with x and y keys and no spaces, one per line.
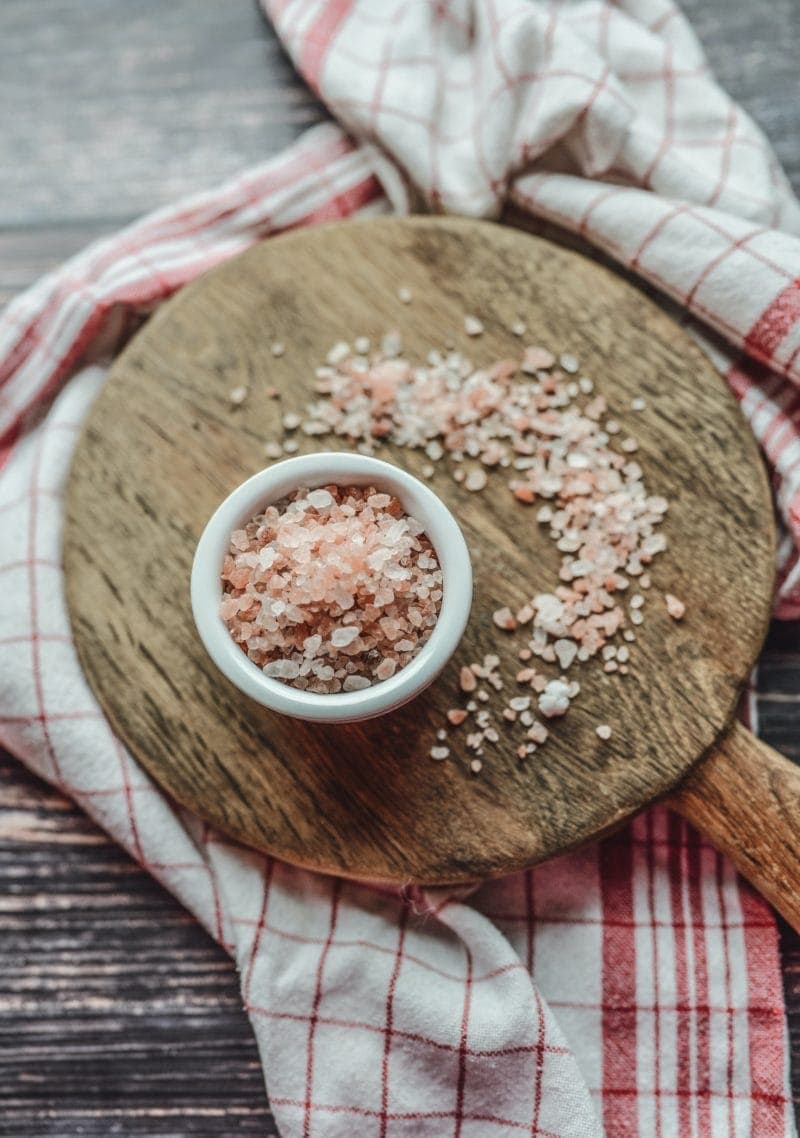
{"x":118,"y":1015}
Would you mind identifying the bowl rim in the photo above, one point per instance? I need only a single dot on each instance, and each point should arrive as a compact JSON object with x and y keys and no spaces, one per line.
{"x":309,"y":471}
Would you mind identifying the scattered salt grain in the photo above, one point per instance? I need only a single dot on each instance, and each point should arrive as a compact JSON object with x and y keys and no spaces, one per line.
{"x":238,"y":395}
{"x":504,"y":618}
{"x":556,"y":436}
{"x":467,"y":680}
{"x":273,"y":450}
{"x":554,"y":700}
{"x":603,"y":731}
{"x":475,"y":480}
{"x":537,"y":359}
{"x":675,"y":607}
{"x":566,"y":651}
{"x":278,"y":349}
{"x":291,"y":421}
{"x":439,"y":753}
{"x":338,"y":353}
{"x":404,"y":295}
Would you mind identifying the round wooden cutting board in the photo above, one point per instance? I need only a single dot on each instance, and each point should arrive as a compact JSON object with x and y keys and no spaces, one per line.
{"x":164,"y":445}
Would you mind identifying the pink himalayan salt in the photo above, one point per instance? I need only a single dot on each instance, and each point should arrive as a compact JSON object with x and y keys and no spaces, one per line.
{"x":563,"y":457}
{"x":675,"y":607}
{"x":332,"y":590}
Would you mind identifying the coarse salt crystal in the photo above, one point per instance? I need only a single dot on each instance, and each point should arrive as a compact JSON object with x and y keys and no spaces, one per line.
{"x":338,"y":353}
{"x":554,"y":700}
{"x":238,"y":395}
{"x":537,"y":359}
{"x":282,"y":669}
{"x":473,"y":326}
{"x":675,"y":607}
{"x":342,"y":637}
{"x":355,"y":683}
{"x":386,"y":669}
{"x":504,"y":618}
{"x":467,"y":680}
{"x":603,"y":731}
{"x":320,"y":499}
{"x":566,"y":651}
{"x":475,"y":480}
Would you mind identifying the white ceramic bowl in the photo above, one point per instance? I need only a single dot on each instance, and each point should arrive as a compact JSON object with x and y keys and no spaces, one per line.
{"x":310,"y":471}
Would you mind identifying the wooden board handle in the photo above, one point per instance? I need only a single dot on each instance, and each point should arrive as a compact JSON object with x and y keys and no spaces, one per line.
{"x":745,"y":798}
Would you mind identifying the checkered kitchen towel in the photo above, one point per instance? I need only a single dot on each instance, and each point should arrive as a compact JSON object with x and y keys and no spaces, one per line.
{"x":633,"y":986}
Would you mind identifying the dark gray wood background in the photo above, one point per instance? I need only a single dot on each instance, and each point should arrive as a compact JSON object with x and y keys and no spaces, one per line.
{"x":118,"y":1015}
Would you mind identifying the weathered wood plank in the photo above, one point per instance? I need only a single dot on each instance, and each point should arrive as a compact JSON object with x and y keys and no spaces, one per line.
{"x":117,"y":1010}
{"x":111,"y":108}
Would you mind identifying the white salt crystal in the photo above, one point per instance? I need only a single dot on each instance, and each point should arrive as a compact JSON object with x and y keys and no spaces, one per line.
{"x":355,"y":683}
{"x":282,"y":669}
{"x":341,"y":637}
{"x":554,"y":700}
{"x":566,"y":651}
{"x":320,"y":499}
{"x":339,"y":353}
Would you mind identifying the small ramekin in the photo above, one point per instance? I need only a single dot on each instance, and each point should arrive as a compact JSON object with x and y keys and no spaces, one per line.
{"x":311,"y":471}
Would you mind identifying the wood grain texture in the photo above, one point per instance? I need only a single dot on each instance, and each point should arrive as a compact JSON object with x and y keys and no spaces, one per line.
{"x":111,"y":109}
{"x":53,"y":860}
{"x":118,"y":1015}
{"x":366,"y":800}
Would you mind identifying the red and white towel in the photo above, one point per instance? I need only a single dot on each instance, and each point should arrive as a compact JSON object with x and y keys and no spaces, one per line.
{"x":633,"y":986}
